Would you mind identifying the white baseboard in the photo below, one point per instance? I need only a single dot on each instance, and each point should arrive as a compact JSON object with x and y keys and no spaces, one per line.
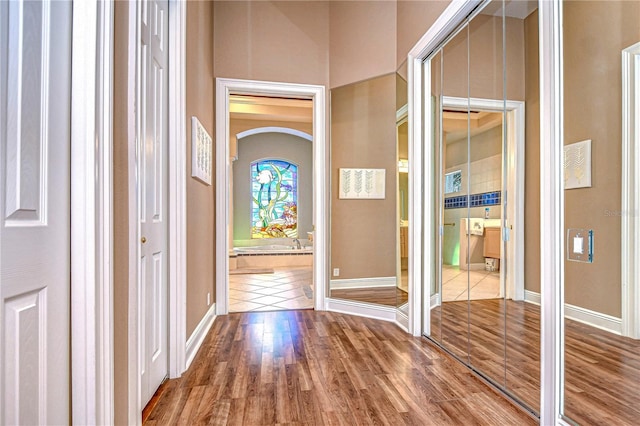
{"x":402,"y":319}
{"x":532,"y":297}
{"x":435,"y":300}
{"x":197,"y":337}
{"x":474,"y":267}
{"x":586,"y":316}
{"x":363,"y":283}
{"x":368,"y":310}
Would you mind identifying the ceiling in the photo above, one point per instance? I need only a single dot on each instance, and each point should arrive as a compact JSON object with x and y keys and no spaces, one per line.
{"x":243,"y":107}
{"x":456,"y":127}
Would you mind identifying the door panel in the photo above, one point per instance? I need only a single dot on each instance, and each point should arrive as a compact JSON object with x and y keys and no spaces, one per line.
{"x":153,"y":189}
{"x":35,"y":70}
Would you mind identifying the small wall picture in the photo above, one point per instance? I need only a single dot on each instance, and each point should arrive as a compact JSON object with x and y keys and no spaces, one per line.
{"x":200,"y":152}
{"x":577,"y":165}
{"x":362,"y":184}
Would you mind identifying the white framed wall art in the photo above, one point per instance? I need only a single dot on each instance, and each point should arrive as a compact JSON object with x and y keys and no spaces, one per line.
{"x":201,"y":148}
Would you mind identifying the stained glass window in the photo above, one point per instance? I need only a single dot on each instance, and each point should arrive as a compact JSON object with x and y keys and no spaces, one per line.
{"x":274,"y":189}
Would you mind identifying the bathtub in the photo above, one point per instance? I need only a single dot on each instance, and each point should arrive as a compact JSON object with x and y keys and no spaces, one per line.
{"x":274,"y":255}
{"x":272,"y":249}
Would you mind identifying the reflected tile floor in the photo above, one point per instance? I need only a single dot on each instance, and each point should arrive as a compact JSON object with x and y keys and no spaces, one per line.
{"x":481,"y":284}
{"x":286,"y":288}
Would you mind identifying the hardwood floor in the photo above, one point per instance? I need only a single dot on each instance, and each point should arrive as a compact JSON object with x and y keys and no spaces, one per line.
{"x":602,"y":370}
{"x":389,"y":296}
{"x":309,"y":367}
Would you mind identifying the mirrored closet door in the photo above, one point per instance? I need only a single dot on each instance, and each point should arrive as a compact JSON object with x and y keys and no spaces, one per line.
{"x":483,"y":80}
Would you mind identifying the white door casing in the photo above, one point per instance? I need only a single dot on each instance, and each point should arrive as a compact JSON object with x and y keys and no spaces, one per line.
{"x":512,"y":284}
{"x":35,"y":98}
{"x":152,"y":192}
{"x":630,"y":214}
{"x":224,"y":88}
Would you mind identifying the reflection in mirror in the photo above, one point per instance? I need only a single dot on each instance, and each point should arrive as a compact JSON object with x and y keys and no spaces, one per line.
{"x":602,"y":368}
{"x":435,"y":290}
{"x":487,"y":148}
{"x":522,"y":310}
{"x":402,"y":141}
{"x":481,"y":80}
{"x":455,"y":159}
{"x":402,"y":275}
{"x":364,"y":203}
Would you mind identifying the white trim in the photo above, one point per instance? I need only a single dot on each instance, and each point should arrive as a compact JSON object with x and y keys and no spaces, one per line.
{"x":402,"y":319}
{"x":434,"y":301}
{"x":197,"y":337}
{"x":133,"y":376}
{"x":630,"y":214}
{"x":551,"y":213}
{"x":91,"y":213}
{"x":373,"y":282}
{"x":532,"y":297}
{"x":585,"y":316}
{"x":273,"y":129}
{"x":514,"y":166}
{"x":177,"y":233}
{"x":402,"y":114}
{"x":105,"y":374}
{"x":367,"y":310}
{"x":594,"y":319}
{"x":421,"y":250}
{"x":224,"y":89}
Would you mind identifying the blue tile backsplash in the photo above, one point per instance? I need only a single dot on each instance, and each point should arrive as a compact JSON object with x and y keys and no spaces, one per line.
{"x":475,"y":200}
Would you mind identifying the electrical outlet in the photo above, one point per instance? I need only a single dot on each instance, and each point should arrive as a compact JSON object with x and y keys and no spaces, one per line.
{"x":336,"y":272}
{"x":208,"y":299}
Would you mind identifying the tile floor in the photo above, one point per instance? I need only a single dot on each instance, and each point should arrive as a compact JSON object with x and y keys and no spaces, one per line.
{"x":286,"y":288}
{"x":457,"y":283}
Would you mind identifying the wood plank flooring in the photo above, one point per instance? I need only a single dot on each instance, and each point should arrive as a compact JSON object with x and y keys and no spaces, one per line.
{"x":309,"y":367}
{"x":602,"y":370}
{"x":389,"y":296}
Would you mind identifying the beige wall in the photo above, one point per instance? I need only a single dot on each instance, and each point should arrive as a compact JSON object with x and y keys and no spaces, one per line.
{"x":362,"y":40}
{"x":532,"y":157}
{"x":200,"y":205}
{"x":284,"y":41}
{"x":414,"y":18}
{"x":121,"y":225}
{"x":237,"y":126}
{"x":594,"y":35}
{"x":363,"y":135}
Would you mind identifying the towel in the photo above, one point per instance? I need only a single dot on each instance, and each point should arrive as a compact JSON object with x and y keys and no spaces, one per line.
{"x":476,"y":226}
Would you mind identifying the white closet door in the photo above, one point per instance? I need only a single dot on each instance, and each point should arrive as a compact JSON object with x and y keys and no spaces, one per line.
{"x":35,"y":71}
{"x":152,"y":167}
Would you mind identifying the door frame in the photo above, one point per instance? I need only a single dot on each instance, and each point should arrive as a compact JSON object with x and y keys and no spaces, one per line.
{"x":514,"y":123}
{"x":92,"y":368}
{"x":92,"y":192}
{"x":630,"y":213}
{"x":224,"y":89}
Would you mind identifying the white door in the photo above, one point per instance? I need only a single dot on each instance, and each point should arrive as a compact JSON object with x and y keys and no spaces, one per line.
{"x":35,"y":71}
{"x":152,"y":190}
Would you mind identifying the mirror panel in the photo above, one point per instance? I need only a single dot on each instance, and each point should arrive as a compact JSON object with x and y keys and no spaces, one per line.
{"x":522,"y":265}
{"x":435,"y":284}
{"x":486,"y":266}
{"x":364,"y":230}
{"x":455,"y":187}
{"x":402,"y":176}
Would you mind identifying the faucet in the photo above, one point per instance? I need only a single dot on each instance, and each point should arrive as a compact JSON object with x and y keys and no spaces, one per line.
{"x":297,"y":243}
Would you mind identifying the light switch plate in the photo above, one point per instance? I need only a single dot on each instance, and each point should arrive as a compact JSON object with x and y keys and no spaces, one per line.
{"x":580,"y":245}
